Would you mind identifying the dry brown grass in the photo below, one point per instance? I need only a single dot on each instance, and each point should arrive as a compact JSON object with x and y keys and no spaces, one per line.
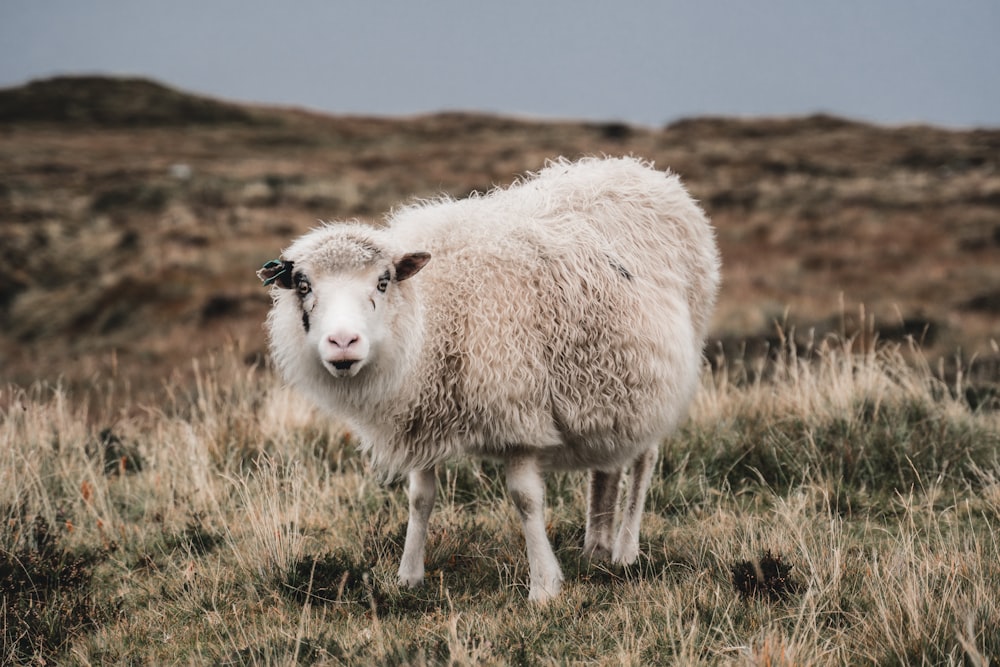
{"x":164,"y":500}
{"x":249,"y":531}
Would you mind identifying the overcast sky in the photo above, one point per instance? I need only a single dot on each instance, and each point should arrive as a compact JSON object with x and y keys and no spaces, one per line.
{"x":648,"y":62}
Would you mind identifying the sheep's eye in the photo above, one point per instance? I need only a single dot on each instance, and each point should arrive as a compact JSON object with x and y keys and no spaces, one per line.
{"x":303,"y":287}
{"x":383,"y":282}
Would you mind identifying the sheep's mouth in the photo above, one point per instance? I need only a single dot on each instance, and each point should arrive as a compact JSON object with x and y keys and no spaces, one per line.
{"x":344,"y":367}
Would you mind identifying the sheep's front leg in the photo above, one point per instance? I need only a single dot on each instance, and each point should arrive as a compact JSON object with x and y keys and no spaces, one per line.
{"x":421,"y":492}
{"x":527,"y":491}
{"x":602,"y":503}
{"x":641,"y":473}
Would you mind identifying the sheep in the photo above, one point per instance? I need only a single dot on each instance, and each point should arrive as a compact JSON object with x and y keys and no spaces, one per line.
{"x":559,"y":326}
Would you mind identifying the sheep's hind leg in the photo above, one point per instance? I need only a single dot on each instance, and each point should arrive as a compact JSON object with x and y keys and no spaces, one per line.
{"x":602,"y":503}
{"x":421,"y":492}
{"x":640,"y":474}
{"x":527,"y":491}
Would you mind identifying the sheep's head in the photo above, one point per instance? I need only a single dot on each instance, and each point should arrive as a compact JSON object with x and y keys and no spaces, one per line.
{"x":342,"y":290}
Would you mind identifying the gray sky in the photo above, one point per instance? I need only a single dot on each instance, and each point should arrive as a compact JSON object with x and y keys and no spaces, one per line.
{"x":889,"y":61}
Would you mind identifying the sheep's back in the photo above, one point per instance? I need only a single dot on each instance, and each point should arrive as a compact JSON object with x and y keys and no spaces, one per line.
{"x":559,"y":312}
{"x":646,"y":217}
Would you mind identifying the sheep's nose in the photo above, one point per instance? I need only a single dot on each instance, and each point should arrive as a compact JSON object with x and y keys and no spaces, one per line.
{"x":343,"y":339}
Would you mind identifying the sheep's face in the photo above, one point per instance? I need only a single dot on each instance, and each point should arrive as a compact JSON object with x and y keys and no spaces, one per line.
{"x":348,"y":304}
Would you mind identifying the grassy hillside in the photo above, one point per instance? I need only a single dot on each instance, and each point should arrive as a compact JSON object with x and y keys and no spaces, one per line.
{"x":129,"y":241}
{"x":83,"y":102}
{"x":163,"y":499}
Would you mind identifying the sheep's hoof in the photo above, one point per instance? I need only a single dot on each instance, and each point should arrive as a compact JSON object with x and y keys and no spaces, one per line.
{"x":599,"y":553}
{"x":542,"y":592}
{"x":411,"y":580}
{"x":625,"y":554}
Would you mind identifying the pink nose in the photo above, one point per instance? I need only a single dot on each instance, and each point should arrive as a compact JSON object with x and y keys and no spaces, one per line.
{"x":343,"y":340}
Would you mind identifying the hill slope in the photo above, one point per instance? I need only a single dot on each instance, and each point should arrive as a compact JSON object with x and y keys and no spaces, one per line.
{"x":96,"y":100}
{"x":132,"y":219}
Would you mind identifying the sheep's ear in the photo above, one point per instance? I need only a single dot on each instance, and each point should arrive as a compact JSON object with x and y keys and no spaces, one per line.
{"x":410,"y":263}
{"x":277,"y":272}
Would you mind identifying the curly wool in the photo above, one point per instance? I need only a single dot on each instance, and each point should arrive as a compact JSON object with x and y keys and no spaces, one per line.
{"x":564,"y":315}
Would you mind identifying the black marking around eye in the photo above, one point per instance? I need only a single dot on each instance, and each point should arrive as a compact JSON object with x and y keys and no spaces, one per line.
{"x":383,"y":282}
{"x":302,"y":285}
{"x":305,"y":321}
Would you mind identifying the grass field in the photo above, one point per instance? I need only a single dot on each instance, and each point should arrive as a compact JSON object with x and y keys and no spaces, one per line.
{"x":842,"y":511}
{"x":827,"y":503}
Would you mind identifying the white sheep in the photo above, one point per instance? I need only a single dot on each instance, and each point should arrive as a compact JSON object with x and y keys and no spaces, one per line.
{"x":559,"y":326}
